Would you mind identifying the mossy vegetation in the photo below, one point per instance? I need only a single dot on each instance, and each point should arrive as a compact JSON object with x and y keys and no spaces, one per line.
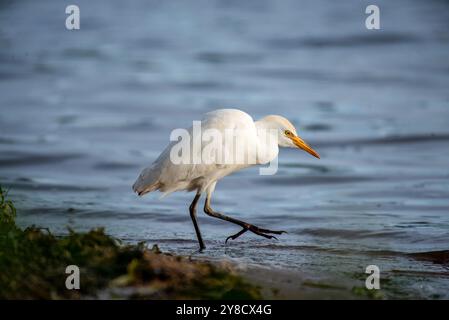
{"x":33,"y":263}
{"x":365,"y":293}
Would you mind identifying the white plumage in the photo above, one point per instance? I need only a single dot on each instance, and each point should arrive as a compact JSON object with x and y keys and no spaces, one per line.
{"x":260,"y":141}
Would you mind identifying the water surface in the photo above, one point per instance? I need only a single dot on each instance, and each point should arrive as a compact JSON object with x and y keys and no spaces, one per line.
{"x":83,"y":111}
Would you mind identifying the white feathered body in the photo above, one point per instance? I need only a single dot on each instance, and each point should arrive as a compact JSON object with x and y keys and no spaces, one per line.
{"x":166,"y":176}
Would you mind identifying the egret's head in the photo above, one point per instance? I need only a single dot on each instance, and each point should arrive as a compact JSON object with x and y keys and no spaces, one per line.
{"x":287,"y":136}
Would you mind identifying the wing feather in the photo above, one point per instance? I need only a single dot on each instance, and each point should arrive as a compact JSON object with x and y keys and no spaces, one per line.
{"x":167,"y":176}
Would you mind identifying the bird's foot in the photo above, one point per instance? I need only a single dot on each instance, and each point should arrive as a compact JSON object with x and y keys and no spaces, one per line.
{"x":255,"y":230}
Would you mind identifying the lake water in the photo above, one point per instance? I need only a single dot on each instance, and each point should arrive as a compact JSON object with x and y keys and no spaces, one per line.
{"x":82,"y":112}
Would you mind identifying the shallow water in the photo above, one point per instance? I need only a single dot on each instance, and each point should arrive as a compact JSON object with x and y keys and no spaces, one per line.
{"x":83,"y":111}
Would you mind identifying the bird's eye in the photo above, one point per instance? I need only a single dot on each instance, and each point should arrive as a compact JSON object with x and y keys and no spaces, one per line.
{"x":288,"y":133}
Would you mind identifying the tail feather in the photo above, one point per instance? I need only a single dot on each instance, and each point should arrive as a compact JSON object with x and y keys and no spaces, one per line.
{"x":146,"y":182}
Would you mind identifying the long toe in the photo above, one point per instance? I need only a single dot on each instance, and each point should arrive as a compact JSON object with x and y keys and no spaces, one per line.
{"x":255,"y":229}
{"x":262,"y":234}
{"x":235,"y":236}
{"x":272,"y":231}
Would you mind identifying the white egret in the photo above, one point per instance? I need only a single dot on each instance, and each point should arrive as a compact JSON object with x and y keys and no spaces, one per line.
{"x":167,"y":176}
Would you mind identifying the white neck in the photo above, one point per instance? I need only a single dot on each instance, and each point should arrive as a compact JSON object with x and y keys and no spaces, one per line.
{"x":267,"y":143}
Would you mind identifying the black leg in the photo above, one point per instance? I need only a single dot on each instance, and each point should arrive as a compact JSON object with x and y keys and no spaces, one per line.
{"x":235,"y":236}
{"x":192,"y":210}
{"x":245,"y":226}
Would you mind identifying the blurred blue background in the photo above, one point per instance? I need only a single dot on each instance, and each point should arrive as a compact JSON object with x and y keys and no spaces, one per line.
{"x":83,"y":111}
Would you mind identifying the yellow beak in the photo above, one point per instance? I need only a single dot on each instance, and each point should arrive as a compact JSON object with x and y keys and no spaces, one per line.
{"x":304,"y":146}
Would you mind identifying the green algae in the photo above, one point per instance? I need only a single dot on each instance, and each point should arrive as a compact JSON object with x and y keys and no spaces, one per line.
{"x":33,"y":263}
